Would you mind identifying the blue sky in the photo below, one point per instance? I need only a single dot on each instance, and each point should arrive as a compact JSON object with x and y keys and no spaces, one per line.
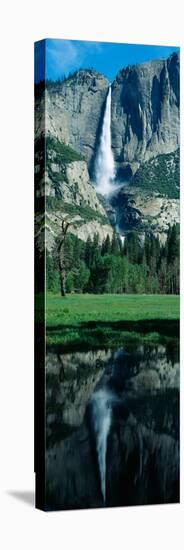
{"x":65,"y":56}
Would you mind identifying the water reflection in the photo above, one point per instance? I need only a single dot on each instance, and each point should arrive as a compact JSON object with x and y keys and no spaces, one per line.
{"x":70,"y":381}
{"x":144,"y":381}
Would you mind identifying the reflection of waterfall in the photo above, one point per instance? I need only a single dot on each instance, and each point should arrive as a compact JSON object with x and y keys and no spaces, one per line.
{"x":105,"y":169}
{"x":101,"y":414}
{"x":124,"y":428}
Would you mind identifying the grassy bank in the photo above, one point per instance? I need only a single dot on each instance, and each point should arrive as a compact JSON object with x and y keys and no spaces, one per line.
{"x":90,"y":321}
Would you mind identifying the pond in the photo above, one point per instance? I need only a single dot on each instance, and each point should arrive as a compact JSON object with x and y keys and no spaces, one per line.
{"x":112,"y":428}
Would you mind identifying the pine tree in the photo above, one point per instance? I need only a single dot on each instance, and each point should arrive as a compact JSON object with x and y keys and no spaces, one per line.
{"x":173,"y":244}
{"x":132,"y":248}
{"x":69,"y":252}
{"x":115,"y":250}
{"x":106,"y":246}
{"x":81,"y":277}
{"x":70,"y":282}
{"x":96,"y":249}
{"x":89,"y":253}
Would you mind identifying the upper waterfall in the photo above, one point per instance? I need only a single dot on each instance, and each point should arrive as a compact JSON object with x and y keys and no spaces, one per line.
{"x":105,"y":167}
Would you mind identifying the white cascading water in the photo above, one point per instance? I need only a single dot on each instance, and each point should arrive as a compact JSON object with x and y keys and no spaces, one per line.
{"x":105,"y":168}
{"x":101,"y":406}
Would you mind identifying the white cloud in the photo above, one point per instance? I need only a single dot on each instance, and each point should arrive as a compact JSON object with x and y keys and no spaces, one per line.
{"x":62,"y":55}
{"x":67,"y":55}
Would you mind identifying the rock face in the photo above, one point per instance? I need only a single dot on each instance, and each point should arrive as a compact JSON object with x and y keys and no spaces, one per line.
{"x":65,"y":183}
{"x":73,"y":110}
{"x":77,"y":188}
{"x":144,"y":211}
{"x":78,"y":178}
{"x":49,"y":227}
{"x":90,"y":229}
{"x":150,"y":201}
{"x":145,"y":111}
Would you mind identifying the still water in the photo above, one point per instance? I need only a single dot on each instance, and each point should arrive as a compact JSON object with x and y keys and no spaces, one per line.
{"x":112,"y":427}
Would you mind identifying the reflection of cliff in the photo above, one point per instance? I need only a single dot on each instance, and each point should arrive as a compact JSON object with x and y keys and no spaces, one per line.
{"x":142,"y":468}
{"x":143,"y":369}
{"x":71,"y":380}
{"x":142,"y":462}
{"x":148,"y":380}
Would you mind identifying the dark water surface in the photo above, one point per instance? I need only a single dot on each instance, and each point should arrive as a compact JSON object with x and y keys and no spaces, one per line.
{"x":133,"y":435}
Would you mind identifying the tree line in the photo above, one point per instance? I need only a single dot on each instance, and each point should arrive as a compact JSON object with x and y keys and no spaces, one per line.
{"x":137,"y":266}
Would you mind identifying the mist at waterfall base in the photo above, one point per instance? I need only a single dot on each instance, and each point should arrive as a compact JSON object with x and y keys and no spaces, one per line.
{"x":104,"y":166}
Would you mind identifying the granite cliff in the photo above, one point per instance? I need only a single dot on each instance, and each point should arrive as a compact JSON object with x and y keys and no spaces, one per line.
{"x":145,"y":143}
{"x":74,"y":109}
{"x":145,"y":112}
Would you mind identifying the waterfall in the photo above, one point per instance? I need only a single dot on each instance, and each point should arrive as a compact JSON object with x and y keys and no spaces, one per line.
{"x":105,"y":168}
{"x":101,"y":413}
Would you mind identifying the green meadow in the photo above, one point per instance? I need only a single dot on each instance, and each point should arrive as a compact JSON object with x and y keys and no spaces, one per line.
{"x":88,"y":321}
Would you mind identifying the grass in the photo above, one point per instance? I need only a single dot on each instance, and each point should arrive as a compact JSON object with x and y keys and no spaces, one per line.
{"x":83,"y":321}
